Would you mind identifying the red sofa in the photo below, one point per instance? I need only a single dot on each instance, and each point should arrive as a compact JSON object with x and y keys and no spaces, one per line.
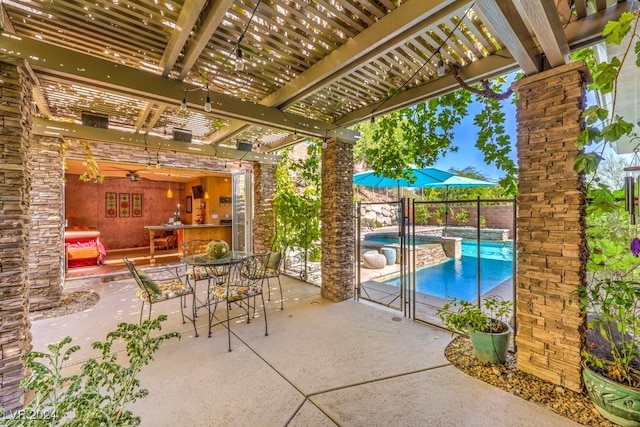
{"x":83,"y":247}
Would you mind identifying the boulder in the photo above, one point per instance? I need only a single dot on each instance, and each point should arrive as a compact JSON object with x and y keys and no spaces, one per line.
{"x":374,"y":260}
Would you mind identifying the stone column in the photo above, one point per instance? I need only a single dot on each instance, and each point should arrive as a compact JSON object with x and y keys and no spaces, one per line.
{"x":15,"y":188}
{"x":551,"y":225}
{"x":46,"y":247}
{"x":264,"y":189}
{"x":337,"y":221}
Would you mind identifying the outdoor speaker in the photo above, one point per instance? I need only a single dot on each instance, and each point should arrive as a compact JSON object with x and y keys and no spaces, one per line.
{"x":182,"y":135}
{"x":243,"y":146}
{"x":95,"y":120}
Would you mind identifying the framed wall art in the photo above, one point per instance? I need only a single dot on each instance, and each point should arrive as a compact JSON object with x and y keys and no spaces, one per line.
{"x":111,"y":205}
{"x":136,"y":204}
{"x":124,"y":205}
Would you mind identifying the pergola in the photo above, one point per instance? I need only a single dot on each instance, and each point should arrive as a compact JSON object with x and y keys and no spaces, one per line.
{"x":272,"y":73}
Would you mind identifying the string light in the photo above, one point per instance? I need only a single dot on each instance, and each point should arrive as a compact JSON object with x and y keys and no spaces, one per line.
{"x":441,"y":70}
{"x":183,"y":106}
{"x":207,"y":104}
{"x":239,"y":66}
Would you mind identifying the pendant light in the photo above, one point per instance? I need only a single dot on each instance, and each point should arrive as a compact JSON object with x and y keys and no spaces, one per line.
{"x":169,"y":192}
{"x":441,"y":70}
{"x":207,"y":104}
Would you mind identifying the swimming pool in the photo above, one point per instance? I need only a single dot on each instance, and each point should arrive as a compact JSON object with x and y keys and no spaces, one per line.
{"x":458,"y":278}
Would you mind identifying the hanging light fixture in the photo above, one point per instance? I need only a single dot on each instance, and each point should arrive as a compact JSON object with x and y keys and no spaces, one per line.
{"x":207,"y":103}
{"x":441,"y":70}
{"x":239,"y":66}
{"x":183,"y":105}
{"x":169,"y":192}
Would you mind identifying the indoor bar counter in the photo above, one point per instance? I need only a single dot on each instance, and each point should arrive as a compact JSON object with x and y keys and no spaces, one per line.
{"x":189,"y":232}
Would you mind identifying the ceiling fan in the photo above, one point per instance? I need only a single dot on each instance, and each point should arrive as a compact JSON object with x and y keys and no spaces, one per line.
{"x":133,"y":175}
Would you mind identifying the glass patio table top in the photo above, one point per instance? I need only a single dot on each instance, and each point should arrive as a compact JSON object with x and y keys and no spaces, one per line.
{"x":204,"y":260}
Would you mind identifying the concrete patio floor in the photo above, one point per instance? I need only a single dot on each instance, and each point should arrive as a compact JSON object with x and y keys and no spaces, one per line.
{"x":323,"y":364}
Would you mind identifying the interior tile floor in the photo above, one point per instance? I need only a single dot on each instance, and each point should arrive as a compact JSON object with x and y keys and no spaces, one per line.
{"x":322,"y":364}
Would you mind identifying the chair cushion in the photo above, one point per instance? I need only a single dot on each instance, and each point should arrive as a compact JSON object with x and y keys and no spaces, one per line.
{"x":148,"y":282}
{"x":199,"y":273}
{"x":270,"y":272}
{"x":274,"y":260}
{"x":167,"y":290}
{"x":235,"y":292}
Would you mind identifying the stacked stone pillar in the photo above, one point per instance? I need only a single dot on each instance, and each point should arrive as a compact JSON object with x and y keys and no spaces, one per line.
{"x":15,"y":187}
{"x":46,"y":247}
{"x":337,"y":221}
{"x":551,"y":225}
{"x":264,"y":190}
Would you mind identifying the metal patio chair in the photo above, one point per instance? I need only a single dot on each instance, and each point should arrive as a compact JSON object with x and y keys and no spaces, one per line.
{"x":154,"y":292}
{"x":238,"y":288}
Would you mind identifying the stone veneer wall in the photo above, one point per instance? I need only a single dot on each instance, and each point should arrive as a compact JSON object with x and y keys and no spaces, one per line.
{"x":337,"y":233}
{"x":45,"y":264}
{"x":105,"y":151}
{"x":264,"y":184}
{"x":15,"y":187}
{"x":551,"y":225}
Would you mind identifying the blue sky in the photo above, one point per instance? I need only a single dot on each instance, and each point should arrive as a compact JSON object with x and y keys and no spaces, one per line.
{"x":465,"y":139}
{"x":466,"y":134}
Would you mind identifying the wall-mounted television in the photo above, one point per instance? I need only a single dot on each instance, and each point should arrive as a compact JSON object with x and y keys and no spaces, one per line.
{"x":198,"y":191}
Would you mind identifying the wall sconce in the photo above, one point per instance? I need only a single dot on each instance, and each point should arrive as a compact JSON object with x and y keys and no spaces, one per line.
{"x":206,"y":194}
{"x":169,"y":192}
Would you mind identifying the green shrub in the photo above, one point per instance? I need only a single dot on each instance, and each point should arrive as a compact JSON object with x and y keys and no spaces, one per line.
{"x":422,"y":215}
{"x":440,"y":212}
{"x":98,"y":394}
{"x":483,"y":222}
{"x":462,"y":218}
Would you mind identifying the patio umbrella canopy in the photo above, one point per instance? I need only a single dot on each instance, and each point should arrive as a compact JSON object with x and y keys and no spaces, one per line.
{"x":457,"y":181}
{"x":424,"y":178}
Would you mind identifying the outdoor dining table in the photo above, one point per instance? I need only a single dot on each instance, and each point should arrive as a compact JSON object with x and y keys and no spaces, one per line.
{"x":219,"y":265}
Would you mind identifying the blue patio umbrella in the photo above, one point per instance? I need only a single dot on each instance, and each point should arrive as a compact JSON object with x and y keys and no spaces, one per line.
{"x":457,"y":181}
{"x":424,"y":178}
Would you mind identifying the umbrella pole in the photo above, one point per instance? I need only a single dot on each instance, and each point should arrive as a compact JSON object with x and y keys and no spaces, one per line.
{"x":446,"y":208}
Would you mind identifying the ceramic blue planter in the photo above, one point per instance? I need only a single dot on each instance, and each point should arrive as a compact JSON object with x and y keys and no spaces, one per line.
{"x":616,"y":402}
{"x":491,"y":348}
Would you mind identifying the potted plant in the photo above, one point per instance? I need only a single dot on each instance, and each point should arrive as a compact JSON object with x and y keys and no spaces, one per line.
{"x":611,"y":357}
{"x":487,"y":325}
{"x":609,"y":298}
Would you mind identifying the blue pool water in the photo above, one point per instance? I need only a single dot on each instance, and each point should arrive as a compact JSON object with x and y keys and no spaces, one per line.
{"x":458,"y":278}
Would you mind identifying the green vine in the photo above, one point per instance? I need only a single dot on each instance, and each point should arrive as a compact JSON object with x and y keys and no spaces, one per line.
{"x":92,"y":168}
{"x":420,"y":134}
{"x":297,"y":201}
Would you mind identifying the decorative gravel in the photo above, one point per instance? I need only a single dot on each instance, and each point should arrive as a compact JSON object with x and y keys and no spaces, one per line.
{"x":70,"y":303}
{"x":569,"y":404}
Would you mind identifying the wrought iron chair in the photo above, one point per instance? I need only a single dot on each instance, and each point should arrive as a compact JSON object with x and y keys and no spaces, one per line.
{"x":152,"y":292}
{"x":241,"y":284}
{"x":273,"y":271}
